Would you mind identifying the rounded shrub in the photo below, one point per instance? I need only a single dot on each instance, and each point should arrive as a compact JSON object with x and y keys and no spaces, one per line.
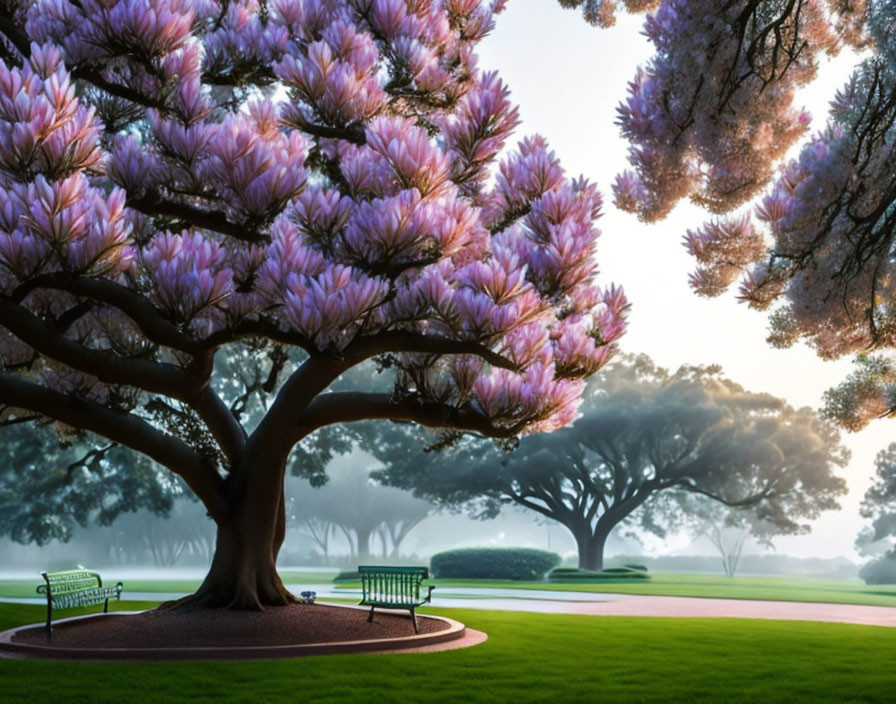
{"x":880,"y":571}
{"x":493,"y":563}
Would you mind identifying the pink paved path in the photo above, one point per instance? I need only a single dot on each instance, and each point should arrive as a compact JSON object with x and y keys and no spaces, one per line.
{"x":733,"y":608}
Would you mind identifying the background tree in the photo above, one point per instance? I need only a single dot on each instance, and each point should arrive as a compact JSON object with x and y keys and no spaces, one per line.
{"x":184,"y":532}
{"x":644,"y":431}
{"x":52,"y":484}
{"x":182,"y":179}
{"x":360,"y":509}
{"x":879,"y":506}
{"x":819,"y":242}
{"x":829,"y":219}
{"x":727,"y":528}
{"x":817,"y":246}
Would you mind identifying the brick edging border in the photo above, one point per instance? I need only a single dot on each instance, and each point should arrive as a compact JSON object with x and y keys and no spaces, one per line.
{"x":9,"y":649}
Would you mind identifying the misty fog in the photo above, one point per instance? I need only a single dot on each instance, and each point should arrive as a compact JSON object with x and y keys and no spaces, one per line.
{"x":124,"y":545}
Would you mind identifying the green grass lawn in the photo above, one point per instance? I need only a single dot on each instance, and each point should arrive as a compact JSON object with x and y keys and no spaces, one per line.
{"x":668,"y":584}
{"x":528,"y":658}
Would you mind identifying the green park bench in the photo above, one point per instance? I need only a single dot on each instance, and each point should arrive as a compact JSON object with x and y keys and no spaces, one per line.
{"x":393,"y":588}
{"x":80,"y":587}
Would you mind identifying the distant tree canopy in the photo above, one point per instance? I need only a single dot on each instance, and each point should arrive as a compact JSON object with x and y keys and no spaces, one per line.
{"x":645,"y":430}
{"x":728,"y":528}
{"x":879,"y":505}
{"x":48,"y":489}
{"x":358,"y":508}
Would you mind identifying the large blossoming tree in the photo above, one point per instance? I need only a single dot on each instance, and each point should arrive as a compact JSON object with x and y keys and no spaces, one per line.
{"x":183,"y":179}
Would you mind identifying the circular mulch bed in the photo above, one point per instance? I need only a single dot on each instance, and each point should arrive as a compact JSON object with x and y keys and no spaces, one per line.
{"x":187,"y":634}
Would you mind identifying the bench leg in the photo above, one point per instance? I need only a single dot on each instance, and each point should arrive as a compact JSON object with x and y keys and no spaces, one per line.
{"x":106,"y":607}
{"x":49,"y":618}
{"x":370,"y":618}
{"x":414,"y":616}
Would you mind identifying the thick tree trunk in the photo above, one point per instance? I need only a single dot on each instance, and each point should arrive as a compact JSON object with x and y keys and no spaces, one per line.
{"x":363,"y":538}
{"x":243,"y":573}
{"x":591,"y":549}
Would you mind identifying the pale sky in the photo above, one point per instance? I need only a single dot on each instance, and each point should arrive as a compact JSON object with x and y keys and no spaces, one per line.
{"x":568,"y":77}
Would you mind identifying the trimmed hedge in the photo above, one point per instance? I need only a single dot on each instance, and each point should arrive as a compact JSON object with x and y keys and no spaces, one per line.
{"x":493,"y":563}
{"x":612,"y":574}
{"x":347,"y":576}
{"x":880,"y":571}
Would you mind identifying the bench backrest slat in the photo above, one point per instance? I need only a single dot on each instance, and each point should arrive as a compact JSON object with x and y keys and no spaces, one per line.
{"x":61,"y":583}
{"x":398,"y":584}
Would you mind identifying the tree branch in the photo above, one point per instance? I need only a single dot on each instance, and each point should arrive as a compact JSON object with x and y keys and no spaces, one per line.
{"x":95,"y":78}
{"x":222,"y":424}
{"x":151,"y":322}
{"x":105,"y":365}
{"x":125,"y":429}
{"x":319,"y":371}
{"x":216,"y":221}
{"x":353,"y":132}
{"x":351,"y":406}
{"x":155,"y":377}
{"x":397,"y":341}
{"x":751,"y":500}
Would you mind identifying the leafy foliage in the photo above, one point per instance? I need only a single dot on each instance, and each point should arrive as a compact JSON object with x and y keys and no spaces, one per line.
{"x":879,"y":504}
{"x":48,"y":489}
{"x":879,"y":571}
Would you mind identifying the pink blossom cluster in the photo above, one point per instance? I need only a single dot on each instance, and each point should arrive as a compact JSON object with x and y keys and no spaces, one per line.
{"x":537,"y":394}
{"x":255,"y":168}
{"x":708,"y":116}
{"x":723,"y":248}
{"x":824,"y":248}
{"x":335,"y":80}
{"x":325,"y":169}
{"x":51,"y":217}
{"x":240,"y":41}
{"x":476,"y":131}
{"x":93,"y":29}
{"x":189,"y":273}
{"x":869,"y":392}
{"x":602,"y":13}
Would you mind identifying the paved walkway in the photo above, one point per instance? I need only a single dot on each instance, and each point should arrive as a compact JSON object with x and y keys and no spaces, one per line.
{"x":676,"y":606}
